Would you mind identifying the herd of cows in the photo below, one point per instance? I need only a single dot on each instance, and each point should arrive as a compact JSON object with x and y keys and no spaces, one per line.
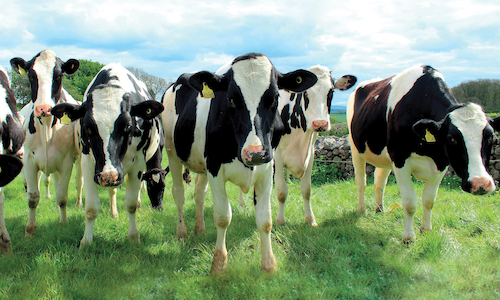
{"x":244,"y":123}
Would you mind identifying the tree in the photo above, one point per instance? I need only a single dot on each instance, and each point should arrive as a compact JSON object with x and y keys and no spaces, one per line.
{"x":20,"y":84}
{"x":485,"y":92}
{"x":156,"y":85}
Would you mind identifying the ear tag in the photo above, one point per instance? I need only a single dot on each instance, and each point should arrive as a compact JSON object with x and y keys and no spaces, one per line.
{"x":21,"y":71}
{"x":65,"y":119}
{"x":429,"y":138}
{"x":148,"y":111}
{"x":207,"y":92}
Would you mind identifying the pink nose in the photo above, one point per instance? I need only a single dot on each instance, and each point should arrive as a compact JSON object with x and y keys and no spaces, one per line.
{"x":320,"y":125}
{"x":108,"y":179}
{"x":43,"y":110}
{"x":481,"y":185}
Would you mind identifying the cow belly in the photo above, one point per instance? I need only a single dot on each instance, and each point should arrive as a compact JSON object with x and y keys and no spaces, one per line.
{"x":424,"y":168}
{"x":381,"y":160}
{"x":295,"y":151}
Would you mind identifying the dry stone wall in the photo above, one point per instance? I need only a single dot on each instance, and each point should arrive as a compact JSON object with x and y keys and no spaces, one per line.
{"x":337,"y":152}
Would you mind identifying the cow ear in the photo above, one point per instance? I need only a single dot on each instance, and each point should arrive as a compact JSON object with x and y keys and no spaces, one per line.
{"x":19,"y":65}
{"x":427,"y":130}
{"x":345,"y":82}
{"x":67,"y":112}
{"x":495,"y":123}
{"x":10,"y":167}
{"x":71,"y":66}
{"x":207,"y":83}
{"x":297,"y":81}
{"x":147,"y":109}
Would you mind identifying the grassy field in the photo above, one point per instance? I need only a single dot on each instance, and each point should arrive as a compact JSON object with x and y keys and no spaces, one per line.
{"x":347,"y":256}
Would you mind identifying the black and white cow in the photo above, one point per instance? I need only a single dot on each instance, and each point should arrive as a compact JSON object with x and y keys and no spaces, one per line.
{"x":411,"y":124}
{"x":119,"y":132}
{"x":304,"y":116}
{"x":12,"y":138}
{"x":50,"y":146}
{"x":228,"y":137}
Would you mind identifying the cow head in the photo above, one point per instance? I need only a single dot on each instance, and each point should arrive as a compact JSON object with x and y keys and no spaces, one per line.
{"x":251,"y":94}
{"x":109,"y":121}
{"x":155,"y":182}
{"x":45,"y":72}
{"x":317,"y":100}
{"x":467,"y":135}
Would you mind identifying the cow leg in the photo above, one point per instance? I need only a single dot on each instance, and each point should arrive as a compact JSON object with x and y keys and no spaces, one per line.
{"x":92,"y":201}
{"x":409,"y":200}
{"x":360,"y":177}
{"x":428,"y":196}
{"x":281,"y":189}
{"x":112,"y":202}
{"x":5,"y":243}
{"x":62,"y":184}
{"x":46,"y":183}
{"x":78,"y":181}
{"x":305,"y":188}
{"x":32,"y":193}
{"x":201,"y":187}
{"x":222,"y":219}
{"x":178,"y":193}
{"x":262,"y":190}
{"x":241,"y":198}
{"x":131,"y":204}
{"x":380,"y":182}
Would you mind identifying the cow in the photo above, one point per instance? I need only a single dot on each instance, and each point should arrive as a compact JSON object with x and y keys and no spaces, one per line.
{"x":221,"y":125}
{"x":12,"y":139}
{"x":304,"y":115}
{"x":50,"y":145}
{"x":119,"y":127}
{"x":410,"y":123}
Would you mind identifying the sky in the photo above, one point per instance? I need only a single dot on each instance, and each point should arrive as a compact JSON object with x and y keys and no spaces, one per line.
{"x":368,"y":39}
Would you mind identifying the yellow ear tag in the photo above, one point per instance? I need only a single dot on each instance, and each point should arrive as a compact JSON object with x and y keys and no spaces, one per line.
{"x":148,"y":111}
{"x":393,"y":207}
{"x":207,"y":92}
{"x":65,"y":119}
{"x":429,"y":138}
{"x":22,"y":71}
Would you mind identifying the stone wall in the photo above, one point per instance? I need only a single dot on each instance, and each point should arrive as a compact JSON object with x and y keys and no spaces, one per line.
{"x":337,"y":151}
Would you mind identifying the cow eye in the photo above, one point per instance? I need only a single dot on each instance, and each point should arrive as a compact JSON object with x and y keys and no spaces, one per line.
{"x":231,"y":103}
{"x":452,"y":140}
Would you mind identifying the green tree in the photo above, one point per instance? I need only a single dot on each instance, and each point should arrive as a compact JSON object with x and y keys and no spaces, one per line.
{"x":20,"y":84}
{"x":485,"y":92}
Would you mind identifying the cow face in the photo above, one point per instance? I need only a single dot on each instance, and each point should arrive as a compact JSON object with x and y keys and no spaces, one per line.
{"x":45,"y":72}
{"x":317,"y":100}
{"x":155,"y":182}
{"x":250,"y":88}
{"x":467,"y":136}
{"x":108,"y":123}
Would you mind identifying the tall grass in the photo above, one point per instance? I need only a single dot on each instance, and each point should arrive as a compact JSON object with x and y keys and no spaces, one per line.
{"x":347,"y":256}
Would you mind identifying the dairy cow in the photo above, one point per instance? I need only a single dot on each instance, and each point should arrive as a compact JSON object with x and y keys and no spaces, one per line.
{"x":119,"y":133}
{"x":411,"y":124}
{"x":50,"y":146}
{"x":221,"y":125}
{"x":12,"y":138}
{"x":304,"y":115}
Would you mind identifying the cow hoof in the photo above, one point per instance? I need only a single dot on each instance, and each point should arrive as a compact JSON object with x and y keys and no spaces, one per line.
{"x":199,"y":229}
{"x":181,"y":231}
{"x":5,"y":245}
{"x":281,"y":222}
{"x":30,"y":231}
{"x":85,"y":243}
{"x":135,"y":238}
{"x":409,"y":239}
{"x":361,"y":211}
{"x":424,"y":229}
{"x":219,"y":263}
{"x":380,"y":209}
{"x":311,"y":221}
{"x":114,"y":214}
{"x":269,"y":264}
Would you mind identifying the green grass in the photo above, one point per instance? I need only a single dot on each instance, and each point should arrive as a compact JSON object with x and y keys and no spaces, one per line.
{"x":347,"y":256}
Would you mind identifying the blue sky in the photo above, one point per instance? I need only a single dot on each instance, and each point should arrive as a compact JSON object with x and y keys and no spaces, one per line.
{"x":166,"y":38}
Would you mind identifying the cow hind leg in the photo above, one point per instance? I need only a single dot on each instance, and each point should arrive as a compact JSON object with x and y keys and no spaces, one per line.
{"x":428,"y":196}
{"x":380,"y":182}
{"x":92,"y":201}
{"x":131,"y":203}
{"x":112,"y":202}
{"x":46,"y":183}
{"x":62,"y":182}
{"x":281,"y":191}
{"x":78,"y":181}
{"x":5,"y":243}
{"x":175,"y":167}
{"x":33,"y":197}
{"x":201,"y":187}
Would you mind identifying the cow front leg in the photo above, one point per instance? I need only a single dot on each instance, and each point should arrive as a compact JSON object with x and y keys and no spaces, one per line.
{"x":178,"y":193}
{"x":92,"y":201}
{"x":32,"y":194}
{"x":428,"y":196}
{"x":380,"y":181}
{"x":5,"y":243}
{"x":112,"y":202}
{"x":62,"y":182}
{"x":131,"y":204}
{"x":201,"y":187}
{"x":305,"y":188}
{"x":281,"y":190}
{"x":359,"y":177}
{"x":46,"y":183}
{"x":263,"y":217}
{"x":409,"y":199}
{"x":222,"y":219}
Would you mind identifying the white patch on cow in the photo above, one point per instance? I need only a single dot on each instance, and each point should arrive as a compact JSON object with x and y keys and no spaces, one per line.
{"x":318,"y":95}
{"x":105,"y":112}
{"x":471,"y":121}
{"x":402,"y":84}
{"x":253,"y":76}
{"x":156,"y":178}
{"x":44,"y":69}
{"x":4,"y":107}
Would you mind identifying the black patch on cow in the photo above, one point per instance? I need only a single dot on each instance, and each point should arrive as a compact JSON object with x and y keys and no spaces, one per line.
{"x":185,"y":107}
{"x":297,"y":117}
{"x":285,"y":117}
{"x":31,"y":124}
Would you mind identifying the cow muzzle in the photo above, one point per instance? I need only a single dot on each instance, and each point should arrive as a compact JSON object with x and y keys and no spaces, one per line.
{"x":320,"y":125}
{"x":255,"y":155}
{"x":108,"y":179}
{"x":43,"y":110}
{"x":481,"y":185}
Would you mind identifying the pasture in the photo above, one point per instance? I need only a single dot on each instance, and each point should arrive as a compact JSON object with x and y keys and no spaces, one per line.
{"x":347,"y":256}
